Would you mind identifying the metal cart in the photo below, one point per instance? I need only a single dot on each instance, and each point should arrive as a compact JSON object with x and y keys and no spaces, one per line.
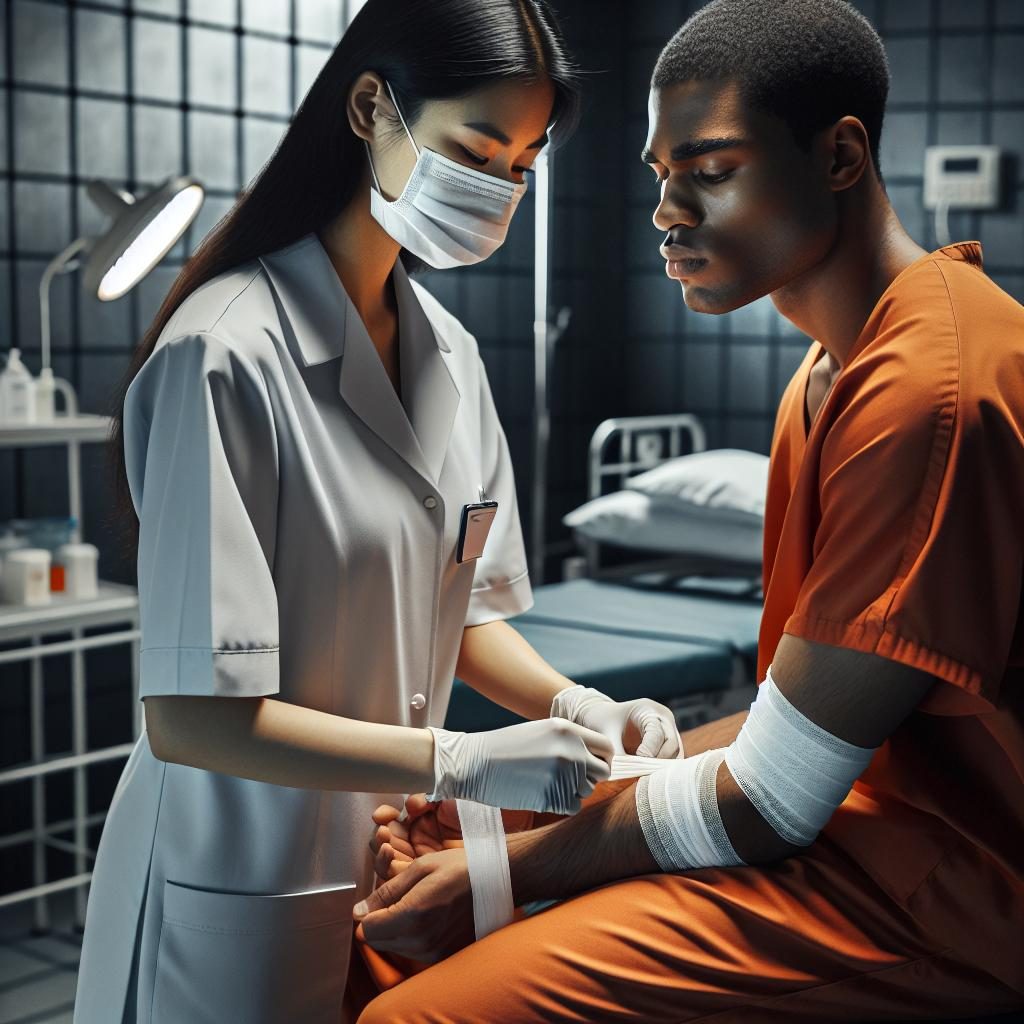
{"x":114,"y":605}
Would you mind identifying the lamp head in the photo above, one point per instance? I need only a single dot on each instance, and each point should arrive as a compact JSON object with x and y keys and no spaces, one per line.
{"x":142,"y":232}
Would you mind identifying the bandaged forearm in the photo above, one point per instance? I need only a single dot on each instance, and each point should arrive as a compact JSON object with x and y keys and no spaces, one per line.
{"x":793,"y":772}
{"x":483,"y":837}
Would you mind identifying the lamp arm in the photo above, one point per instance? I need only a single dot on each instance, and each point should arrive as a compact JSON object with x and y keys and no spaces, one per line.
{"x":60,"y":264}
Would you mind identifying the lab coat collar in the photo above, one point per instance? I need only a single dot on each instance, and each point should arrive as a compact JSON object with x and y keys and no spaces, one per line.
{"x":315,"y":301}
{"x":326,"y":324}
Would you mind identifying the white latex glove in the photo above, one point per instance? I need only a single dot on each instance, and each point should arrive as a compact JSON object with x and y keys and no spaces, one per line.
{"x":590,"y":708}
{"x":549,"y":765}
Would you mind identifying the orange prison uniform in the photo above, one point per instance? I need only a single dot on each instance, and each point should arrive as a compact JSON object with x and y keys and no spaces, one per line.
{"x":894,"y":525}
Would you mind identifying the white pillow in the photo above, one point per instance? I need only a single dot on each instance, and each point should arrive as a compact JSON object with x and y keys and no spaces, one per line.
{"x":724,"y":484}
{"x":630,"y":519}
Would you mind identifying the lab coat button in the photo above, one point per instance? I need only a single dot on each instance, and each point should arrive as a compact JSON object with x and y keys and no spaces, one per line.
{"x":430,"y":502}
{"x":419,"y":702}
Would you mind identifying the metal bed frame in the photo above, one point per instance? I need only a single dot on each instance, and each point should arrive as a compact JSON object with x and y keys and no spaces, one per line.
{"x":624,"y":447}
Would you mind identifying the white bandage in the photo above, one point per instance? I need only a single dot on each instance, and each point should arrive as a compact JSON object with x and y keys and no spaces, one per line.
{"x":487,"y":863}
{"x":678,"y":811}
{"x":483,"y":834}
{"x":794,"y":773}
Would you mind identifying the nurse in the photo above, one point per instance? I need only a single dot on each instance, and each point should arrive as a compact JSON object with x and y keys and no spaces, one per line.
{"x":311,"y":456}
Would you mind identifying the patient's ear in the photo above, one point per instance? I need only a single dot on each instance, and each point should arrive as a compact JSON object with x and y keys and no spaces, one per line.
{"x":847,"y":152}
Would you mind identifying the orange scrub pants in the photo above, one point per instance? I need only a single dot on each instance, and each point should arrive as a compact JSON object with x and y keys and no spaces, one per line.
{"x":810,"y":938}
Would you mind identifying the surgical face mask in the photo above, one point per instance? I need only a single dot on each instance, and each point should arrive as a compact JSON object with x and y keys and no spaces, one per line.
{"x":448,"y":215}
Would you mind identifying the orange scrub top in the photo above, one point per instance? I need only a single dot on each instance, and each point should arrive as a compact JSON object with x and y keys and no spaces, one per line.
{"x":895,"y":525}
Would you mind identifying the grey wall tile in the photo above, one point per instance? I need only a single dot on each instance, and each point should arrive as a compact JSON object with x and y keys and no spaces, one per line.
{"x":963,"y":70}
{"x":308,"y":62}
{"x":869,"y":8}
{"x":212,"y":75}
{"x":266,"y":67}
{"x":28,"y":273}
{"x":260,"y":138}
{"x":1002,"y":239}
{"x":752,"y":435}
{"x":755,"y":318}
{"x":168,"y":7}
{"x":221,"y":12}
{"x":105,"y":324}
{"x":158,"y":142}
{"x":906,"y":14}
{"x":909,"y":206}
{"x":1008,"y":132}
{"x":1012,"y":284}
{"x":960,"y":127}
{"x":102,"y":138}
{"x":266,"y":16}
{"x":961,"y":14}
{"x":97,"y":383}
{"x":789,"y":359}
{"x":908,"y":64}
{"x":151,"y":292}
{"x":652,"y":305}
{"x":213,"y":209}
{"x":650,"y":384}
{"x":748,"y":377}
{"x":706,"y":324}
{"x":901,"y":151}
{"x":40,"y":43}
{"x":157,"y":59}
{"x":1009,"y":12}
{"x":656,"y":23}
{"x":6,"y":312}
{"x":1008,"y":59}
{"x":642,"y":242}
{"x":700,"y":372}
{"x":319,"y":20}
{"x":41,"y":123}
{"x":5,"y":220}
{"x":213,"y":149}
{"x":42,"y":217}
{"x":100,"y":50}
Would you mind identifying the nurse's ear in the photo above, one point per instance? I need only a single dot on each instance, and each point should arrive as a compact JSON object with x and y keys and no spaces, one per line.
{"x":374,"y":119}
{"x":370,"y":110}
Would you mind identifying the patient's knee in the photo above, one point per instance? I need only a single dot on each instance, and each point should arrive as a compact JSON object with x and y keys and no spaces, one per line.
{"x":389,"y":1008}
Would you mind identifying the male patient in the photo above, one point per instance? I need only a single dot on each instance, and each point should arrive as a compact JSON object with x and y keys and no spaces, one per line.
{"x":852,"y":848}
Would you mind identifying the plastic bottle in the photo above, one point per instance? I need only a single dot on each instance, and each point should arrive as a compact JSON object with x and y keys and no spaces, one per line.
{"x":19,"y":392}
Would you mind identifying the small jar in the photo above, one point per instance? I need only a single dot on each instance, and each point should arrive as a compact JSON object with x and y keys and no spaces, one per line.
{"x":80,"y":563}
{"x":27,"y":576}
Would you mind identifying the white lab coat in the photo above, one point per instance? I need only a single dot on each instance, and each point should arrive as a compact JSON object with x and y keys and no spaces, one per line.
{"x":298,"y":533}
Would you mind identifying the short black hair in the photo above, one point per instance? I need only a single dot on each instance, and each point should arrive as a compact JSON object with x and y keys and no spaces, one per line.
{"x":809,"y":62}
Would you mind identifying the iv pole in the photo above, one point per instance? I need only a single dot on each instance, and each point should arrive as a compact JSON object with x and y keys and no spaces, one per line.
{"x":545,"y":337}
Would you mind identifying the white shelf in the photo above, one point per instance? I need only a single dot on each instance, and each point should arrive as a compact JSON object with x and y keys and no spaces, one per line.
{"x":114,"y":602}
{"x":61,"y":430}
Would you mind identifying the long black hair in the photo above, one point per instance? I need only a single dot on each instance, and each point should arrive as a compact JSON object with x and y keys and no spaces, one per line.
{"x":425,"y":50}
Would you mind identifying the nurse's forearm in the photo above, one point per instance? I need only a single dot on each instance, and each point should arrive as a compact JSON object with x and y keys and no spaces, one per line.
{"x":289,"y":745}
{"x":496,"y":661}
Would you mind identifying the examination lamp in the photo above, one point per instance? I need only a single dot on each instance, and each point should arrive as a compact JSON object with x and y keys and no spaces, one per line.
{"x":141,"y":232}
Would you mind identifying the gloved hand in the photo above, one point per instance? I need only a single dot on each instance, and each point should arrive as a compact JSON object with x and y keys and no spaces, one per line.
{"x":549,"y":765}
{"x":653,"y":723}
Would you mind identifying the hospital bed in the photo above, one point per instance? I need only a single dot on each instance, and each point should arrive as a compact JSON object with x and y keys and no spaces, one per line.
{"x":681,"y":630}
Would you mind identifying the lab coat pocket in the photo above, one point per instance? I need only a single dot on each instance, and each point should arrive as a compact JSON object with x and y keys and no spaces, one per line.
{"x":267,"y":959}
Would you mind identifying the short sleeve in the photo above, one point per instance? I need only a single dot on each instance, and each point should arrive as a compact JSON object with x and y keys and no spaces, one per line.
{"x":501,"y":580}
{"x":918,"y":552}
{"x":201,"y":454}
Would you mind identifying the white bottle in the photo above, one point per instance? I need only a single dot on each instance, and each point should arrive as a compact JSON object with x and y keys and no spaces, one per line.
{"x":19,"y":392}
{"x":27,"y":576}
{"x":44,"y":395}
{"x":80,"y":563}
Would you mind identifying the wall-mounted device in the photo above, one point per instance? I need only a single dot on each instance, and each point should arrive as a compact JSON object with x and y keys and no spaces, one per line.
{"x":960,"y":178}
